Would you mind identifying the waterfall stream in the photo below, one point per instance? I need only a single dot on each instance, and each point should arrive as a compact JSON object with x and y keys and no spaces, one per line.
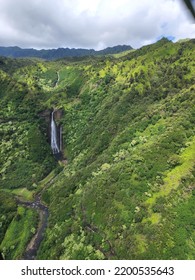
{"x":57,"y":79}
{"x":54,"y":142}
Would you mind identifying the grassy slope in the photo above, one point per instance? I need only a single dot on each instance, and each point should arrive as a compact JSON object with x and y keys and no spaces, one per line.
{"x":128,"y":130}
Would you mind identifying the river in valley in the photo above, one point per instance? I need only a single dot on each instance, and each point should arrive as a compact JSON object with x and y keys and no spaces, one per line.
{"x":33,"y":246}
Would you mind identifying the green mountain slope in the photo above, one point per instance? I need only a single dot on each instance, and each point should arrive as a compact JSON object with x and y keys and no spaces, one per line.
{"x":127,"y":191}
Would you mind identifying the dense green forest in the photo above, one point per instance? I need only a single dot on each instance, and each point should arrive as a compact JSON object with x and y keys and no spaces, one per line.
{"x":127,"y":188}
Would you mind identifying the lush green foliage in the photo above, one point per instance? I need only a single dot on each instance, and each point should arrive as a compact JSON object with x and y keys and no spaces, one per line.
{"x":7,"y":211}
{"x":25,"y":153}
{"x":19,"y":232}
{"x":127,"y":191}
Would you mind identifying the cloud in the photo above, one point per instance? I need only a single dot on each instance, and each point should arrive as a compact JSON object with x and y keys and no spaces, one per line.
{"x":91,"y":24}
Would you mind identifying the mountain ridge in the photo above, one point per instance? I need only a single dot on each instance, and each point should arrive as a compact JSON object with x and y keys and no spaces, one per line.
{"x":52,"y":54}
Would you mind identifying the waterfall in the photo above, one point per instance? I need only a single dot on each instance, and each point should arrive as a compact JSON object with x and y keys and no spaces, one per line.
{"x":58,"y":79}
{"x":61,"y":138}
{"x":54,"y":142}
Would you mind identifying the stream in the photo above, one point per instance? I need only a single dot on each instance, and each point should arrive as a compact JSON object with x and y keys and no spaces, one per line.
{"x":56,"y":84}
{"x":33,"y":246}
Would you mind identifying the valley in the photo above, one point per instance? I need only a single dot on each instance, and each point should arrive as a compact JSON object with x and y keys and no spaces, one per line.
{"x":123,"y":184}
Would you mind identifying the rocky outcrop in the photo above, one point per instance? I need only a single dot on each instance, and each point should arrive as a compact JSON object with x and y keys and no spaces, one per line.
{"x":58,"y":113}
{"x":46,"y":115}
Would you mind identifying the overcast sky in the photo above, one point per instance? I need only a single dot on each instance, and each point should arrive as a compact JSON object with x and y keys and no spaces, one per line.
{"x":92,"y":23}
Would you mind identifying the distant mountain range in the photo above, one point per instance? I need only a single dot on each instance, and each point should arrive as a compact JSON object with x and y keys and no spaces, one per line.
{"x":53,"y":54}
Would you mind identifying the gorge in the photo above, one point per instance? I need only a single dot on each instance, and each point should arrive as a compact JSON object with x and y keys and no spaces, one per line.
{"x":126,"y":125}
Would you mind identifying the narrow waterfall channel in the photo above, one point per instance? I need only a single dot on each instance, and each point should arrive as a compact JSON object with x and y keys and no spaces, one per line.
{"x":54,"y":139}
{"x":56,"y":84}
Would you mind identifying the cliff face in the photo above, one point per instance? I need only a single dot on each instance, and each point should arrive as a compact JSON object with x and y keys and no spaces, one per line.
{"x":46,"y":115}
{"x":58,"y":113}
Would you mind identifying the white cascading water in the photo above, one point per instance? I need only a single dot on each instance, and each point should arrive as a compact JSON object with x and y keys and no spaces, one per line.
{"x":54,"y":144}
{"x":60,"y":138}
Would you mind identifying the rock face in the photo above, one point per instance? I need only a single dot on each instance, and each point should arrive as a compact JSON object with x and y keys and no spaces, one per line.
{"x":58,"y":114}
{"x":46,"y":115}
